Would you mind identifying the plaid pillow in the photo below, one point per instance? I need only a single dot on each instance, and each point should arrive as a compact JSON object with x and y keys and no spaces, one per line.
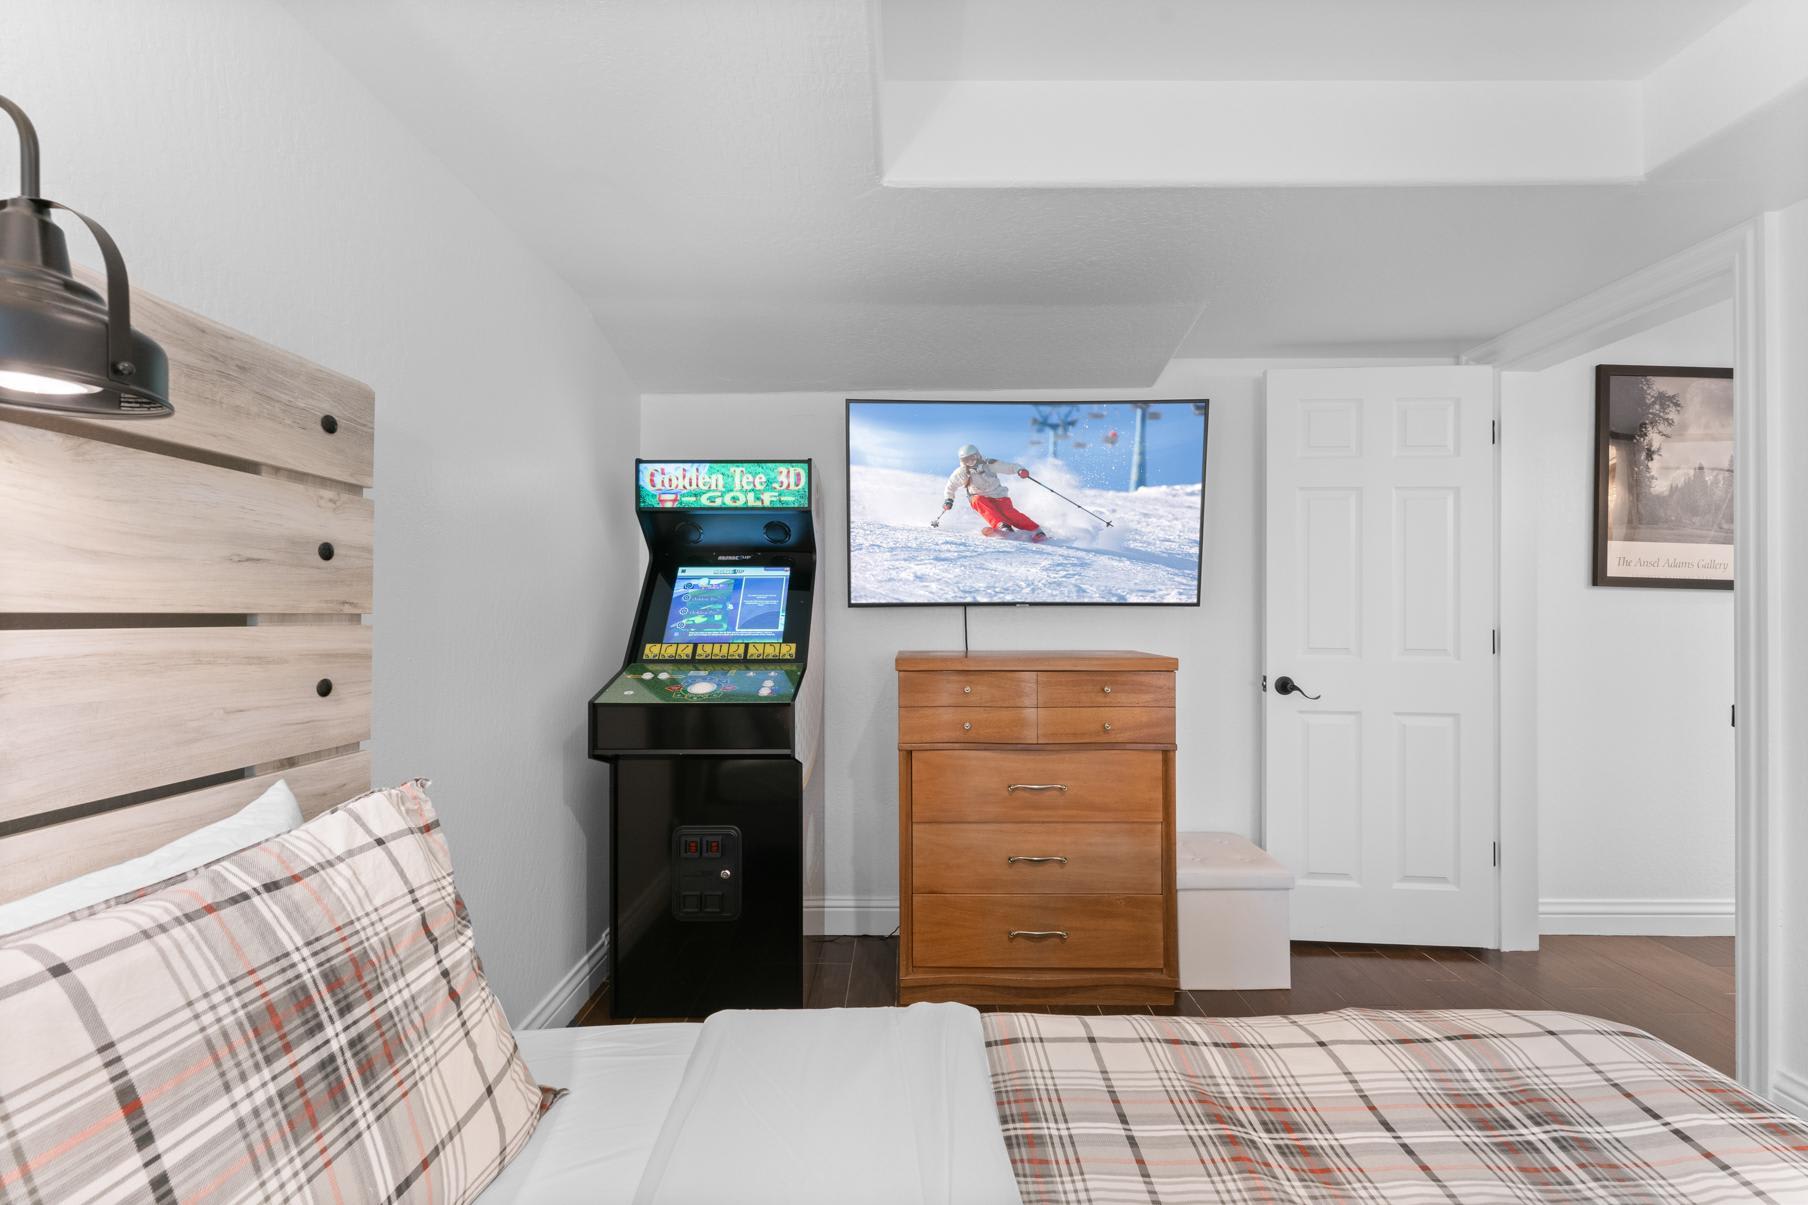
{"x":304,"y":1020}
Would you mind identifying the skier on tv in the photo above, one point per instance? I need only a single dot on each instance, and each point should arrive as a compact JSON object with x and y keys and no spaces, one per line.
{"x":988,"y":495}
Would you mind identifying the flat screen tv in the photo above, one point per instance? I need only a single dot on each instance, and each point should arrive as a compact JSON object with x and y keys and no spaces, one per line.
{"x":1025,"y":503}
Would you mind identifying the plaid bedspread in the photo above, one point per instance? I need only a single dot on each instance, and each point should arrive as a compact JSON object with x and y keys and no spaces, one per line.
{"x":1365,"y":1106}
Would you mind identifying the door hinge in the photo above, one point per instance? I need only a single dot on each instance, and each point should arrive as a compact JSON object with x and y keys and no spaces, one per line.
{"x":1494,"y":431}
{"x":1496,"y":853}
{"x":1496,"y":632}
{"x":1264,"y":683}
{"x":1733,"y":719}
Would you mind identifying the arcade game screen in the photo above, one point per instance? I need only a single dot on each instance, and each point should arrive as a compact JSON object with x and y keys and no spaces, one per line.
{"x":741,"y":604}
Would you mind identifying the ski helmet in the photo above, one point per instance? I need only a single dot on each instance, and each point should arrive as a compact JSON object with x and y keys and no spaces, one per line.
{"x":966,"y":450}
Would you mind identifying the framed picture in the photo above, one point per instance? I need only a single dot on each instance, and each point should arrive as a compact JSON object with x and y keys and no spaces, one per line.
{"x":1663,"y":477}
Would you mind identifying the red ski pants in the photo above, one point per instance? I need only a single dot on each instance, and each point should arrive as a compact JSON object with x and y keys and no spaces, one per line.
{"x":1000,"y":510}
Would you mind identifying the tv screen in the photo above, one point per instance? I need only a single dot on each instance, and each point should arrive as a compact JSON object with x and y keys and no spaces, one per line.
{"x":1014,"y":503}
{"x":733,"y":605}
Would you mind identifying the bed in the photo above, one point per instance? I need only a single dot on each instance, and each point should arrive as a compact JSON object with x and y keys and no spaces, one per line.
{"x":1357,"y":1105}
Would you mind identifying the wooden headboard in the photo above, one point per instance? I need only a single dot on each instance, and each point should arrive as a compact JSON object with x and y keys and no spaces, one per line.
{"x":175,"y":598}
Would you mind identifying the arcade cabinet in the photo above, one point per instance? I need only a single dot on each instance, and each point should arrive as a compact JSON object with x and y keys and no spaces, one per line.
{"x":711,"y":730}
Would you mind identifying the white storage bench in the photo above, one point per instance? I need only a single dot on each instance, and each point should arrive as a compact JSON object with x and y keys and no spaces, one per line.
{"x":1233,"y":914}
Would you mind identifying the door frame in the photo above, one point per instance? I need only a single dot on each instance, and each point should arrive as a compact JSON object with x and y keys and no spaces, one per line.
{"x":1731,"y":266}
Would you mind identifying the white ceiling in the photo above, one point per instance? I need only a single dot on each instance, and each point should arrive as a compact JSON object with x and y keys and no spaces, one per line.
{"x":1289,"y":39}
{"x":706,"y":175}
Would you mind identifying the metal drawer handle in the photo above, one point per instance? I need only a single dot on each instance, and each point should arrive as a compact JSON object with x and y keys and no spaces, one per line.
{"x":966,"y":690}
{"x":1036,"y":858}
{"x":1061,"y":933}
{"x":1107,"y":727}
{"x":1037,"y":786}
{"x":967,"y":727}
{"x":1106,"y":689}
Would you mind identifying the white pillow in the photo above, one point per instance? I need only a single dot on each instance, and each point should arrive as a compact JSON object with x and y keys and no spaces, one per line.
{"x":270,"y":814}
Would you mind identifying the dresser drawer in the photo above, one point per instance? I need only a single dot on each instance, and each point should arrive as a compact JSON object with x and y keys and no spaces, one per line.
{"x":980,"y":859}
{"x":1105,"y":725}
{"x":974,"y":725}
{"x":1089,"y":689}
{"x":962,"y":688}
{"x":1013,"y":785}
{"x":1123,"y":931}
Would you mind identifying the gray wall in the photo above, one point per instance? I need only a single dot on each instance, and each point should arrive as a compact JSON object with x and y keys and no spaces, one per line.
{"x":247,"y":176}
{"x":1218,"y":643}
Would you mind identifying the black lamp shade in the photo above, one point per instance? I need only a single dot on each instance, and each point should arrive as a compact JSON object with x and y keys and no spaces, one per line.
{"x":63,"y":347}
{"x":54,"y":331}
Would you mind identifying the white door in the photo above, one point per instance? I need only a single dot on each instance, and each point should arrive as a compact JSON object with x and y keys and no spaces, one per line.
{"x":1380,"y":793}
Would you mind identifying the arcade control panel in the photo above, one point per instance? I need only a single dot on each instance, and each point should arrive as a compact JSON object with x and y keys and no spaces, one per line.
{"x":688,"y":707}
{"x":675,"y":682}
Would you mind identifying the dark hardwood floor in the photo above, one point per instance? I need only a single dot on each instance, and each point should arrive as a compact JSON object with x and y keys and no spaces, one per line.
{"x":1678,"y":988}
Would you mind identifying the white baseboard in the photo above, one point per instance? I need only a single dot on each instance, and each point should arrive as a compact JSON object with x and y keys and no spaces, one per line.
{"x":1637,"y":918}
{"x":1790,"y":1091}
{"x":577,"y":985}
{"x":842,"y":914}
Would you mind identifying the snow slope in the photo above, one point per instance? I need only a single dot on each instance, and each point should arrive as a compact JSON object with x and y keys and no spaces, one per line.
{"x":1150,"y":555}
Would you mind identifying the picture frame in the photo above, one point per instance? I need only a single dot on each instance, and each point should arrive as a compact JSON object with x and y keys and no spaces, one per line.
{"x":1664,"y":464}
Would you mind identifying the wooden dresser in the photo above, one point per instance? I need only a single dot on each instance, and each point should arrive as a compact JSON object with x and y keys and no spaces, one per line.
{"x":1036,"y":828}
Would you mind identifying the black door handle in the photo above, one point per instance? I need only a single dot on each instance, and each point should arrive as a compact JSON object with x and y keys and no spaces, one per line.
{"x":1284,"y":685}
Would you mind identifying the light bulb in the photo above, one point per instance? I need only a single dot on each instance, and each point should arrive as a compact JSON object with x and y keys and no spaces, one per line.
{"x":31,"y":382}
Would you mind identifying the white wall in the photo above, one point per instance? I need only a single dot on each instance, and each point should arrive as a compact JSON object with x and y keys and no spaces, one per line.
{"x":1218,"y":643}
{"x":1635,"y":775}
{"x":1786,"y":326}
{"x":246,"y":175}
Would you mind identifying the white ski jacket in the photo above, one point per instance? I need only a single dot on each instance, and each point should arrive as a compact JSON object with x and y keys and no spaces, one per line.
{"x":981,"y":479}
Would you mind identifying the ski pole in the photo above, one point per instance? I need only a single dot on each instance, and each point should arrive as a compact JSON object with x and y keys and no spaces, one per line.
{"x":937,"y":521}
{"x":1057,"y":493}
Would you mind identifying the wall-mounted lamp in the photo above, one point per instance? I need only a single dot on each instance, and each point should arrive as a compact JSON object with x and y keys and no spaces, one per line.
{"x":62,"y":347}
